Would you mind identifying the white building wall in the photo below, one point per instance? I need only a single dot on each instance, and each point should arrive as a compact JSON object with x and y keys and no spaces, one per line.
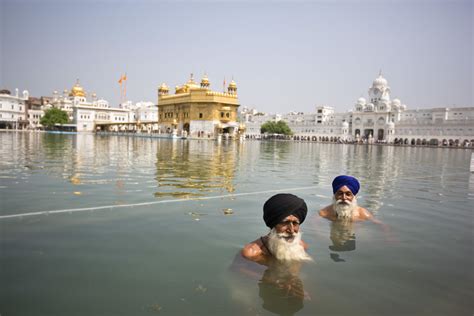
{"x":13,"y":108}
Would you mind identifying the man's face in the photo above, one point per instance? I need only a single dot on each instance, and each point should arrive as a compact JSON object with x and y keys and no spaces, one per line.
{"x":344,"y":194}
{"x":288,"y":227}
{"x":284,"y":241}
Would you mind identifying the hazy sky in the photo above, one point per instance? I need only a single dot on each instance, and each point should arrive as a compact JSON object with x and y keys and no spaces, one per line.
{"x":283,"y":55}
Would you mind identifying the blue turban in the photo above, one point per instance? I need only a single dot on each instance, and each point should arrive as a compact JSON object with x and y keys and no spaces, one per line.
{"x":347,"y":181}
{"x":282,"y":205}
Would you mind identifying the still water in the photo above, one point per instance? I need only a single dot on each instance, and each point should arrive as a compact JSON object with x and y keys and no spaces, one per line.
{"x":97,"y":225}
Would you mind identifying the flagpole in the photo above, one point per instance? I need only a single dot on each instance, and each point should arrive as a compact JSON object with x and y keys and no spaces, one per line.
{"x":120,"y":82}
{"x":125,"y":88}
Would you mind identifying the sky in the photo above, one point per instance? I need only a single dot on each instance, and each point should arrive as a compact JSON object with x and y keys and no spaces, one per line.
{"x":284,"y":56}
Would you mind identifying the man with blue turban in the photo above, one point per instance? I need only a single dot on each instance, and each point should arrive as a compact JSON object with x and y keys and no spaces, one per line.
{"x":344,"y":206}
{"x":283,"y":213}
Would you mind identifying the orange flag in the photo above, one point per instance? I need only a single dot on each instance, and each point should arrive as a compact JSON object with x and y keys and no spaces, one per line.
{"x":121,"y":79}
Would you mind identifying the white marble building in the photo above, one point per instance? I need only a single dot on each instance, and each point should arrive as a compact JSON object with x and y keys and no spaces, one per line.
{"x":379,"y":119}
{"x":13,"y":109}
{"x":84,"y":115}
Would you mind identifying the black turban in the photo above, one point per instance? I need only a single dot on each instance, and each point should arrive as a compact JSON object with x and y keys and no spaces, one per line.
{"x":282,"y":205}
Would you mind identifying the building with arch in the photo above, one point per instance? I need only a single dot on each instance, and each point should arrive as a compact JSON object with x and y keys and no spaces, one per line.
{"x":197,"y":111}
{"x":378,"y":119}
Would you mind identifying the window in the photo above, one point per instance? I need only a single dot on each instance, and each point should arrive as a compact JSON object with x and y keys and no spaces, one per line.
{"x":200,"y":115}
{"x":227,"y":114}
{"x":222,"y":114}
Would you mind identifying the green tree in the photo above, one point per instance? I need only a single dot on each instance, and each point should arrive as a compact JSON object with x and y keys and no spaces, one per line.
{"x":54,"y":116}
{"x":279,"y":127}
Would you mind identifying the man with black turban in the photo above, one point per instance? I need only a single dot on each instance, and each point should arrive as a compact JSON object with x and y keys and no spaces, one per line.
{"x":344,"y":206}
{"x":283,"y":213}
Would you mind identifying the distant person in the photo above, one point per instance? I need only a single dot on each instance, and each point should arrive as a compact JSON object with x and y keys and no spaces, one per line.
{"x":344,"y":206}
{"x":283,"y":214}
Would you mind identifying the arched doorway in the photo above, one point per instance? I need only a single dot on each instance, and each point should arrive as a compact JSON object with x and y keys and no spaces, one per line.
{"x":186,"y":127}
{"x":380,"y":134}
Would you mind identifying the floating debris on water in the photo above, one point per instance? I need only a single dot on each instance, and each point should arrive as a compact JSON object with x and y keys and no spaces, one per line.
{"x":77,"y":193}
{"x":228,"y":211}
{"x":196,"y":214}
{"x":200,"y":289}
{"x":155,"y":307}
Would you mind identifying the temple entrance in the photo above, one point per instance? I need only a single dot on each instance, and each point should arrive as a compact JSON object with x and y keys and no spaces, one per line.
{"x":368,"y":133}
{"x":186,"y":127}
{"x":357,"y":133}
{"x":380,"y":134}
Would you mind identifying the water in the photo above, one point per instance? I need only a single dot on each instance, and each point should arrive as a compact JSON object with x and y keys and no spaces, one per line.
{"x":110,"y":252}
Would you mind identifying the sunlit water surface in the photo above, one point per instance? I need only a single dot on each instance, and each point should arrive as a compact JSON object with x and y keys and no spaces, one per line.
{"x":176,"y":255}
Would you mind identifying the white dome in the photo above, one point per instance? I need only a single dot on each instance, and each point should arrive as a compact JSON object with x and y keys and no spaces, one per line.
{"x":361,"y":101}
{"x":396,"y":102}
{"x":380,"y":81}
{"x":391,"y":125}
{"x":370,"y":107}
{"x":345,"y":124}
{"x":403,"y":107}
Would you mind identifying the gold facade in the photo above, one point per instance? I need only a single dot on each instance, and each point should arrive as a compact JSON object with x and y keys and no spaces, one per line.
{"x":195,"y":110}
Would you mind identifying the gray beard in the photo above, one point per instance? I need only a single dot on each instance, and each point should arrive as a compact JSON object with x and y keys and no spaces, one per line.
{"x":344,"y":210}
{"x":285,"y":250}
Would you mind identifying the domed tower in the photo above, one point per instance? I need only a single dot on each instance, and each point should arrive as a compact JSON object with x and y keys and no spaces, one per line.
{"x":380,"y":91}
{"x":163,"y":89}
{"x":360,"y":105}
{"x":205,"y":82}
{"x":77,"y":90}
{"x":232,"y":89}
{"x":191,"y":83}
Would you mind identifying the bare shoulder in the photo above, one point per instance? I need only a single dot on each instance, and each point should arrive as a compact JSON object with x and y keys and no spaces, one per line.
{"x":326,"y":212}
{"x":304,"y":244}
{"x":364,"y":213}
{"x":252,"y":250}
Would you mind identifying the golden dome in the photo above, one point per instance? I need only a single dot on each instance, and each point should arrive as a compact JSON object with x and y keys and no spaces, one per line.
{"x":232,"y":84}
{"x":77,"y":90}
{"x":191,"y":83}
{"x":205,"y":81}
{"x":164,"y":87}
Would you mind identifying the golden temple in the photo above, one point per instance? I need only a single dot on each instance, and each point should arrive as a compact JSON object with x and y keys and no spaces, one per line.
{"x":197,"y":111}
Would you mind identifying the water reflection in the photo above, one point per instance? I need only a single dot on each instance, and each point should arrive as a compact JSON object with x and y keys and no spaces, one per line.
{"x":280,"y":288}
{"x":188,"y":169}
{"x":343,"y":238}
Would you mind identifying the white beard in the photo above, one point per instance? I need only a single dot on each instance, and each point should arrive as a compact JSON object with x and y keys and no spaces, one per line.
{"x":285,"y":250}
{"x":344,"y":210}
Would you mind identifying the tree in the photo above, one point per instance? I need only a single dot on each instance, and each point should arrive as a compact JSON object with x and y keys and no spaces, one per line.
{"x":54,"y":116}
{"x":279,"y":127}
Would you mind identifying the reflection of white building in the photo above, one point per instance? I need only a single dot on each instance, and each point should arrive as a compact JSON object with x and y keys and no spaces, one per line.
{"x":377,"y":119}
{"x":13,"y":109}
